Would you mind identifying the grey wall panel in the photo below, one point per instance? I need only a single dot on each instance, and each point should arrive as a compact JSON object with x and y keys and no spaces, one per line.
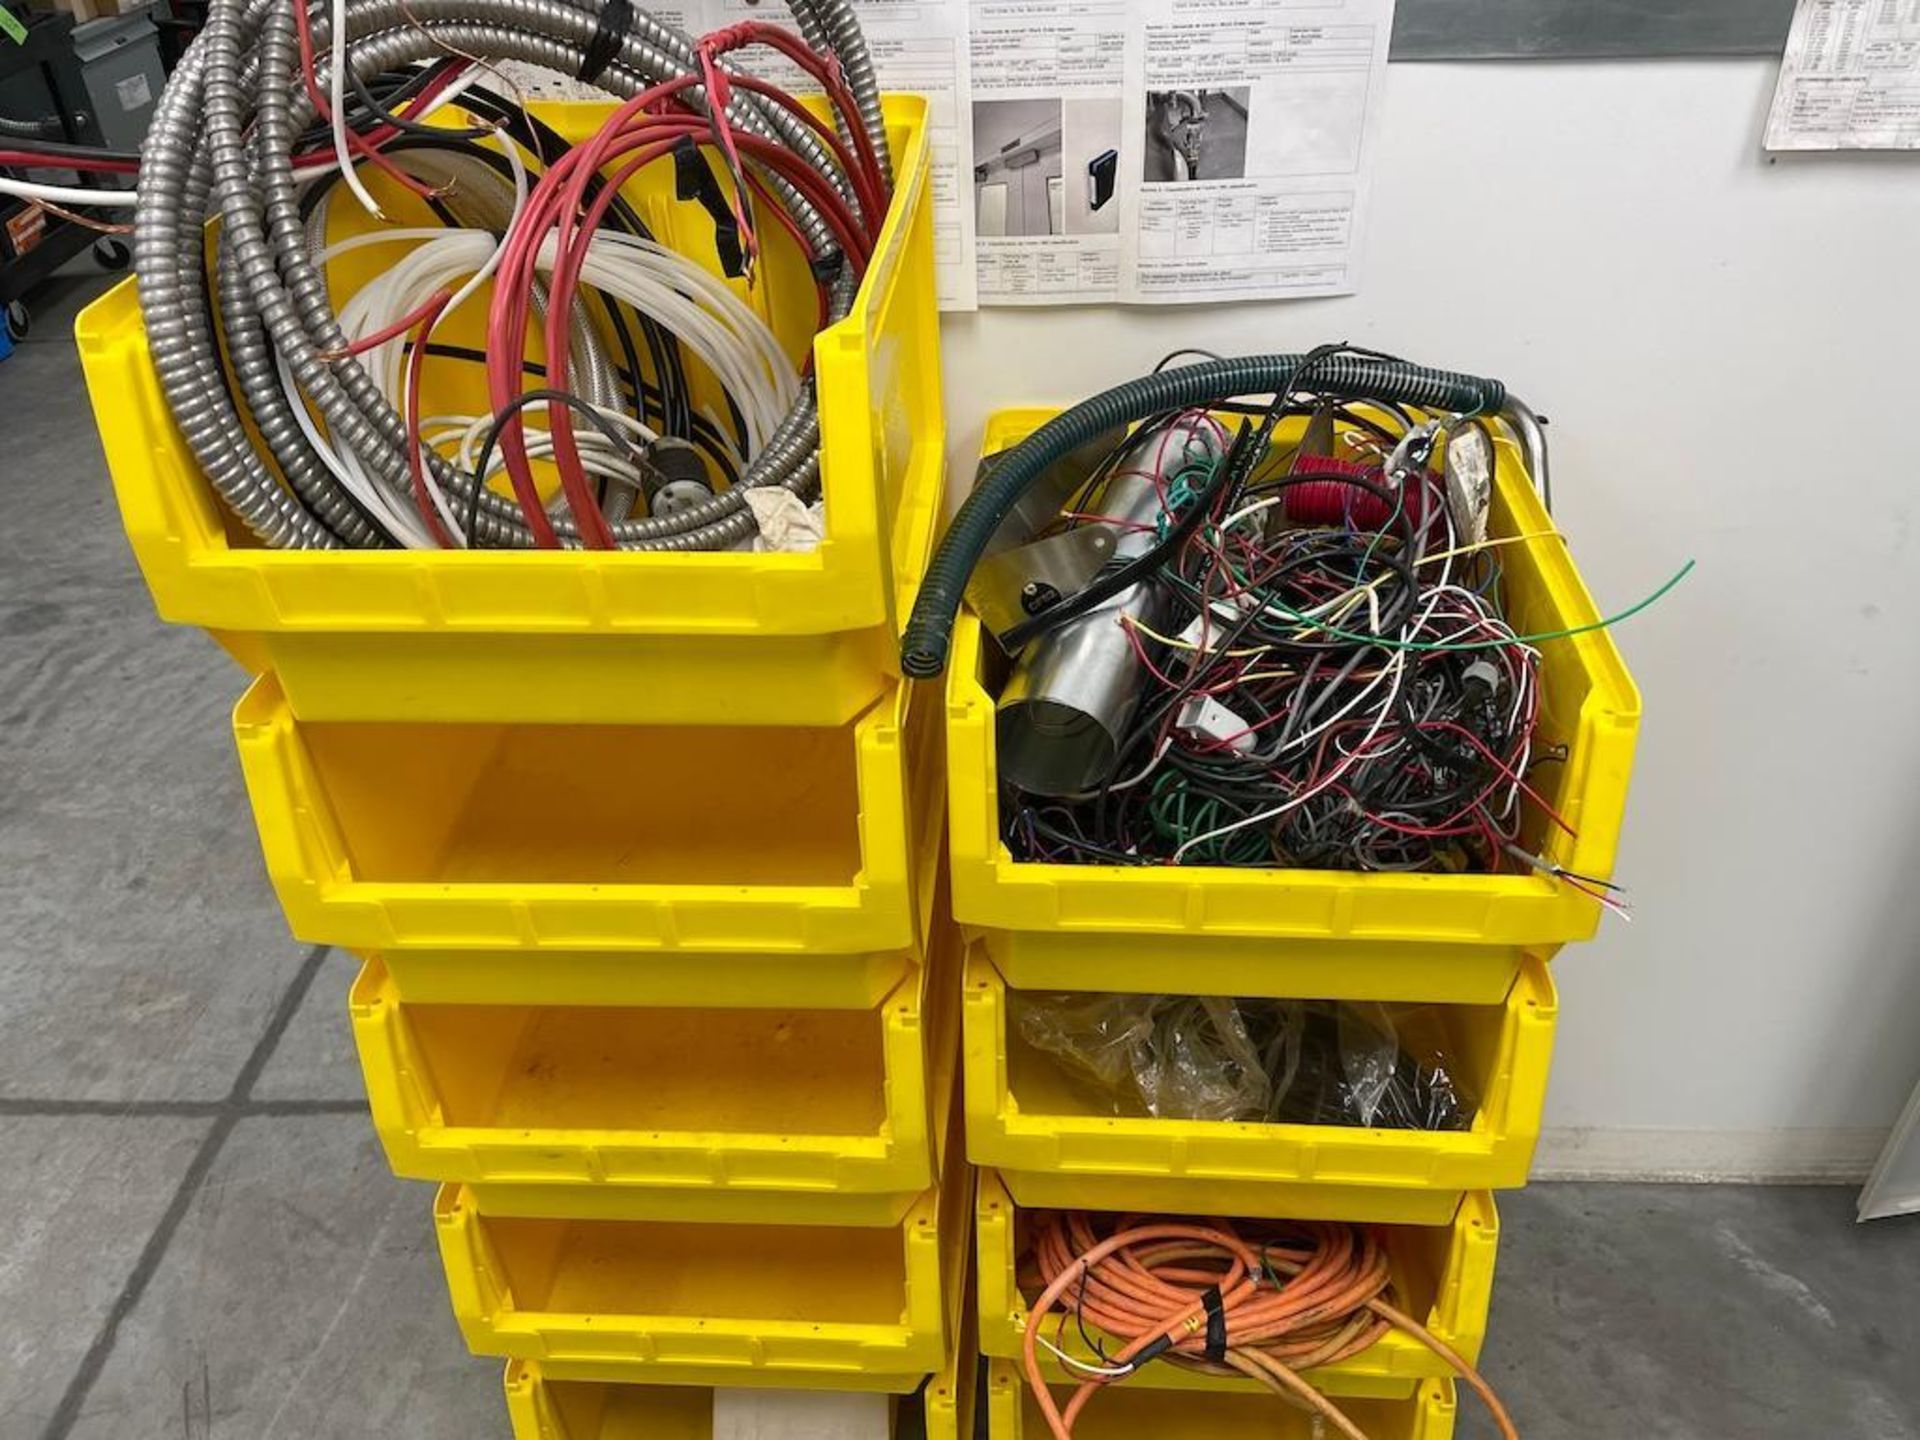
{"x":1587,"y":29}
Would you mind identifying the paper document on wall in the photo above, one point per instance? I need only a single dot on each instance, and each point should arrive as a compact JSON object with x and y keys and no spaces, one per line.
{"x":1253,"y":124}
{"x":1850,"y":78}
{"x":1048,"y":97}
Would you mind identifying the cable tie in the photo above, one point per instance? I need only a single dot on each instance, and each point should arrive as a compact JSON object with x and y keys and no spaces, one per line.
{"x":616,"y":19}
{"x":693,"y":179}
{"x":1216,"y":1350}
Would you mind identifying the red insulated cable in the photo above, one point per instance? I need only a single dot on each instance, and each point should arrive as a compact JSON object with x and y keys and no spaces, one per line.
{"x":29,"y":160}
{"x":416,"y":458}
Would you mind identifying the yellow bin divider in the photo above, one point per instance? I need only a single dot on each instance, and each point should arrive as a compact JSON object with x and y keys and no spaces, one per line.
{"x":706,"y":1303}
{"x":600,"y":637}
{"x":1443,"y":1275}
{"x":775,"y":1115}
{"x":953,"y":1392}
{"x":1058,"y":1147}
{"x":1312,"y":932}
{"x":1129,"y":1411}
{"x":796,"y":840}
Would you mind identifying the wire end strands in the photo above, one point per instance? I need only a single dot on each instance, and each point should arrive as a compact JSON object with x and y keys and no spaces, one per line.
{"x":1266,"y":1301}
{"x":277,"y":107}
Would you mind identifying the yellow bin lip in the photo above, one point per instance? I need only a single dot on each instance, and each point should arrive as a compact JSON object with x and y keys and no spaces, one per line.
{"x":1207,"y":1167}
{"x":1389,"y":1369}
{"x":1153,"y":912}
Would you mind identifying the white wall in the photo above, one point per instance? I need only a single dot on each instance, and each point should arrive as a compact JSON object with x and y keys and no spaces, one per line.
{"x":1730,"y":351}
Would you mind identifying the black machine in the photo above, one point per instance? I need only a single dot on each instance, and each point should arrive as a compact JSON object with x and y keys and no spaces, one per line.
{"x":41,"y":87}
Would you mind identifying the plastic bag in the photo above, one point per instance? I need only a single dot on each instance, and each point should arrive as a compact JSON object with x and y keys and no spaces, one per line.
{"x":1296,"y":1062}
{"x":1174,"y":1057}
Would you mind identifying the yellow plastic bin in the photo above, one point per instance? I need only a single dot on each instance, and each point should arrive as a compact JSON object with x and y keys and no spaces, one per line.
{"x":1443,"y":1274}
{"x":1311,"y":932}
{"x":1131,"y":1412}
{"x":761,"y":639}
{"x":1058,"y":1147}
{"x":611,"y":839}
{"x":541,"y":1408}
{"x":844,"y":1307}
{"x":754,"y":1115}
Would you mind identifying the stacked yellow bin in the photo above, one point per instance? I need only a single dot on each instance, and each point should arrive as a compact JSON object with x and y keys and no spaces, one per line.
{"x":1475,"y":947}
{"x":641,"y":854}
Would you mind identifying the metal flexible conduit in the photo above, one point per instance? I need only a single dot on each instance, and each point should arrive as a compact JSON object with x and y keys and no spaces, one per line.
{"x":929,"y":632}
{"x":220,"y":144}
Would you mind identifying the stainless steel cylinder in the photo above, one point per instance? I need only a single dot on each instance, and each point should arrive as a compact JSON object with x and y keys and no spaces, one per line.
{"x":1066,"y":707}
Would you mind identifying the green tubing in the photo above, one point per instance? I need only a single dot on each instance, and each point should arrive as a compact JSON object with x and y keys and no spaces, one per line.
{"x":929,"y":632}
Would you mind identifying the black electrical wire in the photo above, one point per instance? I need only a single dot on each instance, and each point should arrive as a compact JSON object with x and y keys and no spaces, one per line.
{"x":621,"y":441}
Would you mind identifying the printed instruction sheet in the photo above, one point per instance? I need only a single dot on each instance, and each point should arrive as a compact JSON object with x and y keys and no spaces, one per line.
{"x":1850,"y":78}
{"x":1049,"y":85}
{"x":1131,"y":151}
{"x":1255,"y":123}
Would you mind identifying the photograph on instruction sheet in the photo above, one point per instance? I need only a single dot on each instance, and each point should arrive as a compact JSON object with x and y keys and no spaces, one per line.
{"x":1195,"y":135}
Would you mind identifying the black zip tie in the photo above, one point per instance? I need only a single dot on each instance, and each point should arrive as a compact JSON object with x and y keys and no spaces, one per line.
{"x":693,"y":179}
{"x":1216,"y":1325}
{"x":616,"y":19}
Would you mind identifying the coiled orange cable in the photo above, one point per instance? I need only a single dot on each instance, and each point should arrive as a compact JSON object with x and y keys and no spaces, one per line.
{"x":1199,"y":1294}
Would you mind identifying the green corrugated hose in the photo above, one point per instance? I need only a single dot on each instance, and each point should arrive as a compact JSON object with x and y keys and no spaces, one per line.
{"x":929,"y":632}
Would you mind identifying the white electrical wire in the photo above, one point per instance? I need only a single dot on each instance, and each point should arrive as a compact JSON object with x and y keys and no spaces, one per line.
{"x":67,"y":194}
{"x":715,"y":326}
{"x":337,"y":102}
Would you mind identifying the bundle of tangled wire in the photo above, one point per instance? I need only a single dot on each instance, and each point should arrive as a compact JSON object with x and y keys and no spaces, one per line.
{"x":1264,"y":1300}
{"x":1338,"y":687}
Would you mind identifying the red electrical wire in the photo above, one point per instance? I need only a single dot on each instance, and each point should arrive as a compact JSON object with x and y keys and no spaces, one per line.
{"x":32,"y":160}
{"x":640,"y":132}
{"x":356,"y":142}
{"x":416,"y":458}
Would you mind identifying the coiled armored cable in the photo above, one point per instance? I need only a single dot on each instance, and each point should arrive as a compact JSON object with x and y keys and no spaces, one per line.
{"x":221,"y":144}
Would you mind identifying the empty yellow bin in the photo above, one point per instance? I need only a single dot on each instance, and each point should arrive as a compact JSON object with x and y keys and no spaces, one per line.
{"x":385,"y":837}
{"x":1443,"y":1275}
{"x":1385,"y":936}
{"x":1057,"y":1147}
{"x":602,"y":637}
{"x":586,"y":1111}
{"x":750,"y":1114}
{"x":705,"y":1303}
{"x":1129,"y":1412}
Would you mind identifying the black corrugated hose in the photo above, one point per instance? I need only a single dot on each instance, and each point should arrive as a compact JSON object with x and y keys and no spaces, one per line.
{"x":1345,"y":376}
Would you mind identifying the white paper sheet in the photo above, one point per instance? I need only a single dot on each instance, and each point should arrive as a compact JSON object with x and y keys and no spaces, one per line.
{"x":1048,"y":97}
{"x":1850,"y":78}
{"x":1254,"y":123}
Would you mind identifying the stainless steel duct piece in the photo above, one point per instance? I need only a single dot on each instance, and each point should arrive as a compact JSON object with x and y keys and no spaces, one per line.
{"x":1073,"y":691}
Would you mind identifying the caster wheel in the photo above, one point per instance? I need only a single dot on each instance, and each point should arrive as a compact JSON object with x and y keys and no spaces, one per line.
{"x":19,"y":320}
{"x":111,"y":253}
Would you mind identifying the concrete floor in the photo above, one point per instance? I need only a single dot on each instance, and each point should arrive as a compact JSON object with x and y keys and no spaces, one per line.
{"x":198,"y":1236}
